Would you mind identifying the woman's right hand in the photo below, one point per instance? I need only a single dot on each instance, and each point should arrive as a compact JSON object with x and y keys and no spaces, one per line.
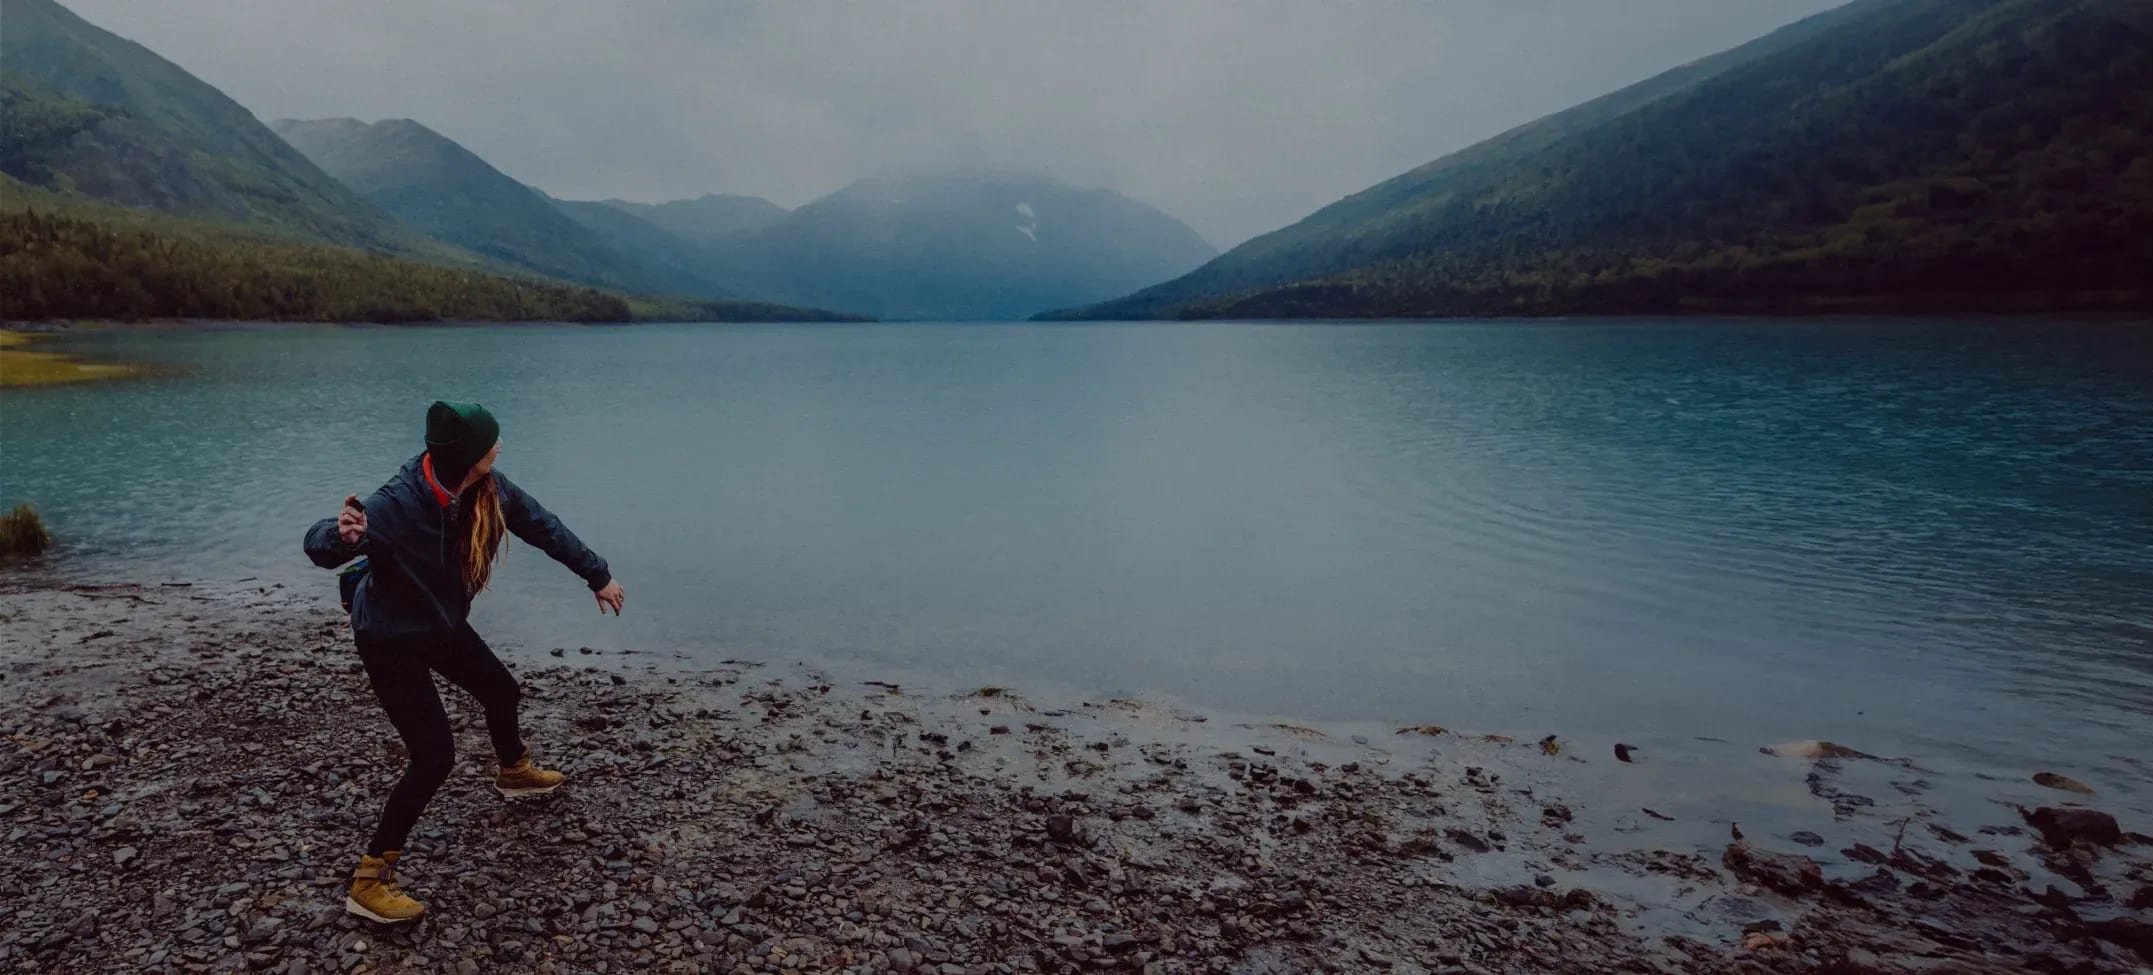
{"x":351,"y":522}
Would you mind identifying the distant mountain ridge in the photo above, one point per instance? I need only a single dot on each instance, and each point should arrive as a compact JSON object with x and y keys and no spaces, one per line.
{"x":960,"y":243}
{"x":953,"y":243}
{"x":436,"y":185}
{"x":1915,"y":155}
{"x":707,"y":219}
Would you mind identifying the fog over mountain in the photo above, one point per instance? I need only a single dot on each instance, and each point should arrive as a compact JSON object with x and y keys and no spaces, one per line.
{"x":1237,"y":118}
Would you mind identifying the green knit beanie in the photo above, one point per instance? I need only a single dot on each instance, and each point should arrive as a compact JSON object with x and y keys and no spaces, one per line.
{"x":458,"y":435}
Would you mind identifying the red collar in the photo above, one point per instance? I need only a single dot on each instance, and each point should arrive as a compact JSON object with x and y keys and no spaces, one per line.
{"x":441,"y":494}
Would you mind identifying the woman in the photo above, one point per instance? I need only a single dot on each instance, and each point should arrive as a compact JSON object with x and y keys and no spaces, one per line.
{"x":430,"y":537}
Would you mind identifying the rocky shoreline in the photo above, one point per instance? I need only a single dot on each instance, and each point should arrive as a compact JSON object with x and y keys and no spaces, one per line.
{"x":187,"y":772}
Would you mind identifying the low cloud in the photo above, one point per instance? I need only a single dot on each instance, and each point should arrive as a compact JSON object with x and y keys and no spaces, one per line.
{"x":1238,"y":117}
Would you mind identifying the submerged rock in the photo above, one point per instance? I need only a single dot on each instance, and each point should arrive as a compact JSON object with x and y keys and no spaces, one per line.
{"x":2063,"y":782}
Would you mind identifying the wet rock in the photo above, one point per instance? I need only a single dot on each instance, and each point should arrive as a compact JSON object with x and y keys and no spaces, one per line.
{"x":1520,"y":895}
{"x":2130,"y":932}
{"x":1854,"y":961}
{"x":2064,"y":826}
{"x":1466,"y":839}
{"x":1806,"y":838}
{"x":1812,"y":749}
{"x":2063,"y":782}
{"x":1785,"y":873}
{"x":1864,"y":853}
{"x":1061,"y":828}
{"x":2052,"y":899}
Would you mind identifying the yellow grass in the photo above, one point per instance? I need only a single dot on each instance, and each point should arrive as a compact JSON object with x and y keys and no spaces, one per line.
{"x":21,"y":367}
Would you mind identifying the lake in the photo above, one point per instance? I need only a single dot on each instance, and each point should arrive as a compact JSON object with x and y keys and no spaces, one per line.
{"x":1923,"y":538}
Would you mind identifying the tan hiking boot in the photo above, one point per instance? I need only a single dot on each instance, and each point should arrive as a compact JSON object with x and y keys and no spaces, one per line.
{"x":374,"y":894}
{"x":526,"y":779}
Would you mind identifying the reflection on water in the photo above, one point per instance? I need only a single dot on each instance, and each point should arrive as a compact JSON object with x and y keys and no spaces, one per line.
{"x":1926,"y":538}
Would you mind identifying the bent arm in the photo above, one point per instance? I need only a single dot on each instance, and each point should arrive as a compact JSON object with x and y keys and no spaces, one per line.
{"x":539,"y":529}
{"x":326,"y":546}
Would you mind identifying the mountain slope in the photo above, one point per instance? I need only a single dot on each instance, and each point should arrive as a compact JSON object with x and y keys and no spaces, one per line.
{"x":1891,"y":154}
{"x":960,"y":245}
{"x":670,"y":263}
{"x":446,"y":191}
{"x":707,"y":219}
{"x":65,"y":256}
{"x":92,"y":113}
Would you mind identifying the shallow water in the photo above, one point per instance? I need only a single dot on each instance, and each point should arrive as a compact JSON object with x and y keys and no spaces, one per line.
{"x":1928,"y":539}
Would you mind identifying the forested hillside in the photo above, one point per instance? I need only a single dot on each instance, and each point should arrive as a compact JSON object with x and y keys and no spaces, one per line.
{"x":1914,"y":155}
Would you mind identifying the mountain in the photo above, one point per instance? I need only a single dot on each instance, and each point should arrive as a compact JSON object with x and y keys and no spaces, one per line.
{"x":131,"y":189}
{"x":90,"y":113}
{"x":448,"y":192}
{"x":707,"y":219}
{"x":672,"y":264}
{"x":1910,"y":155}
{"x":959,"y":244}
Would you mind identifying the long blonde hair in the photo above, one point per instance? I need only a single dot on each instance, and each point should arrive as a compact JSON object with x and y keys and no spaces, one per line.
{"x":483,"y":537}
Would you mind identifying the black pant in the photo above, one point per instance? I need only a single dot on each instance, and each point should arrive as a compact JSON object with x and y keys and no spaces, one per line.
{"x":402,"y":672}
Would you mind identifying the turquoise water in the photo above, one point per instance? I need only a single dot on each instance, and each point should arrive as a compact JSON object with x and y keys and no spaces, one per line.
{"x":1932,"y":539}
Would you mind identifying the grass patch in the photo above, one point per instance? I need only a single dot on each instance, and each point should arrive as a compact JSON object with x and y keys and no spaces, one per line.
{"x":22,"y":367}
{"x":22,"y":532}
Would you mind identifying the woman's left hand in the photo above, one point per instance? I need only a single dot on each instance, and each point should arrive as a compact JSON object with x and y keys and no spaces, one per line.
{"x":611,"y":597}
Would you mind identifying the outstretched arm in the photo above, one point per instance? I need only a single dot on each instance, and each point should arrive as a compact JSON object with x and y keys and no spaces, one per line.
{"x":539,"y":529}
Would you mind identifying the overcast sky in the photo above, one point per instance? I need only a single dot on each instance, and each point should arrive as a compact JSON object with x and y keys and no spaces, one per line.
{"x":1238,"y":116}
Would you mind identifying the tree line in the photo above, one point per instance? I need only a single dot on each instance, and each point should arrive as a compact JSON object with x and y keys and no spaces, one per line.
{"x":54,"y":265}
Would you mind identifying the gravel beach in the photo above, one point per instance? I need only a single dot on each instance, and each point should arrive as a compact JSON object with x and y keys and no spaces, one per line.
{"x":188,"y":772}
